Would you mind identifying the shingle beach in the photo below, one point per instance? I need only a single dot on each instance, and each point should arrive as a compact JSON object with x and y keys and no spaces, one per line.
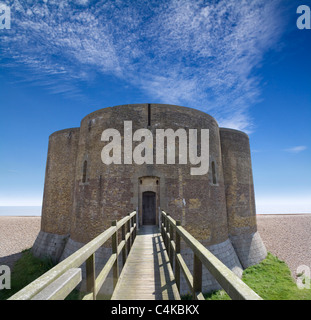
{"x":288,"y":237}
{"x":16,"y":235}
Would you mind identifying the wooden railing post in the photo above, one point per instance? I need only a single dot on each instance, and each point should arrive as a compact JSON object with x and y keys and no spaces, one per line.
{"x":124,"y":254}
{"x":171,"y":256}
{"x":197,"y":276}
{"x":134,"y":231}
{"x":115,"y":268}
{"x":177,"y":251}
{"x":90,"y":275}
{"x":132,"y":234}
{"x":162,"y":227}
{"x":137,"y":219}
{"x":168,"y":242}
{"x":128,"y":227}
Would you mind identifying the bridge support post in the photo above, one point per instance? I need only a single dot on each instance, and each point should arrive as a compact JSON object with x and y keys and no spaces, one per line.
{"x":132,"y":226}
{"x":115,"y":268}
{"x":128,"y":229}
{"x":197,"y":276}
{"x":162,"y":225}
{"x":137,"y":219}
{"x":168,"y":240}
{"x":177,"y":251}
{"x":90,"y":275}
{"x":124,"y":254}
{"x":171,"y":241}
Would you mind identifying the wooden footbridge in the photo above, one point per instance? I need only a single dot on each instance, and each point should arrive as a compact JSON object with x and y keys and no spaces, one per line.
{"x":151,"y":266}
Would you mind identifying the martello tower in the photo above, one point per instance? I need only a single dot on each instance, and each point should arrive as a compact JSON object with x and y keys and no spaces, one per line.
{"x":82,"y":194}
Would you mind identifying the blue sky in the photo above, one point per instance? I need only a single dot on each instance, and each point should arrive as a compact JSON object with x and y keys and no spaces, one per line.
{"x":244,"y":62}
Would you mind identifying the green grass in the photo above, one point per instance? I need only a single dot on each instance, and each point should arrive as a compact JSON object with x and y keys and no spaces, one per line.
{"x":27,"y":269}
{"x":271,"y":279}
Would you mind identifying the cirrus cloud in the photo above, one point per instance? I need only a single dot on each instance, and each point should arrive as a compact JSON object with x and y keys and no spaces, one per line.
{"x":192,"y":52}
{"x":296,"y":149}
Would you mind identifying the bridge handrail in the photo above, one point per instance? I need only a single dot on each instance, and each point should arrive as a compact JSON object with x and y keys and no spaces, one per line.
{"x":87,"y":254}
{"x":229,"y":281}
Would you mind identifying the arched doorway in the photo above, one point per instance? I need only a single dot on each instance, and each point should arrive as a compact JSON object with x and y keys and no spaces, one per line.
{"x":149,"y":208}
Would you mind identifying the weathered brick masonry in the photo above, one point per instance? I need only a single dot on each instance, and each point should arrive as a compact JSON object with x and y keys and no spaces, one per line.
{"x":82,"y":194}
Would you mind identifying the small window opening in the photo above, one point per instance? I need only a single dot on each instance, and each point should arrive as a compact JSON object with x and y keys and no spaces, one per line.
{"x":149,"y":115}
{"x":214,"y":172}
{"x":84,"y":171}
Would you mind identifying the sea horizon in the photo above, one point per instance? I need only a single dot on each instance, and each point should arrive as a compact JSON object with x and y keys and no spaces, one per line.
{"x":20,"y":210}
{"x":260,"y":209}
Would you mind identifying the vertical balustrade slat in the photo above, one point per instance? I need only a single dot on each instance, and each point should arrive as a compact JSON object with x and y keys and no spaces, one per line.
{"x":171,"y":256}
{"x":128,"y":227}
{"x":168,"y":246}
{"x":124,"y":255}
{"x":197,"y":276}
{"x":165,"y":231}
{"x":162,"y":227}
{"x":132,"y":234}
{"x":177,"y":251}
{"x":159,"y":218}
{"x":137,"y":219}
{"x":90,"y":275}
{"x":115,"y":268}
{"x":134,"y":230}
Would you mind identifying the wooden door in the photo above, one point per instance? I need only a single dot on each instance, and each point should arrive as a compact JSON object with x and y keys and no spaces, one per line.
{"x":149,"y":208}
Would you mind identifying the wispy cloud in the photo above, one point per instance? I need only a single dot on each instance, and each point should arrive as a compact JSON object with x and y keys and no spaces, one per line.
{"x":186,"y":52}
{"x":12,"y":171}
{"x":296,"y":149}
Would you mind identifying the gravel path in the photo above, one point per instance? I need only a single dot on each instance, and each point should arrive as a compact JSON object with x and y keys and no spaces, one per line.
{"x":16,"y":234}
{"x":286,"y":236}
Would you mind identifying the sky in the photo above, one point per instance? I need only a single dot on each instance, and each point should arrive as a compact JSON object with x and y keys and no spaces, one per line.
{"x":246,"y":63}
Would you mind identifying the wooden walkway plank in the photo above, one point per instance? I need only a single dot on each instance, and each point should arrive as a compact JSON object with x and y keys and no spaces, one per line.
{"x":147,"y":273}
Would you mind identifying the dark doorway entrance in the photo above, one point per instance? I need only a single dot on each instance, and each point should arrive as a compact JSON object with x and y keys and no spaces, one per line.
{"x":149,"y":208}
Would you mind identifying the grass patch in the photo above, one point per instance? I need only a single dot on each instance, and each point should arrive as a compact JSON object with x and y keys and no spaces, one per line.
{"x":217,"y":295}
{"x":26,"y":269}
{"x":271,"y":279}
